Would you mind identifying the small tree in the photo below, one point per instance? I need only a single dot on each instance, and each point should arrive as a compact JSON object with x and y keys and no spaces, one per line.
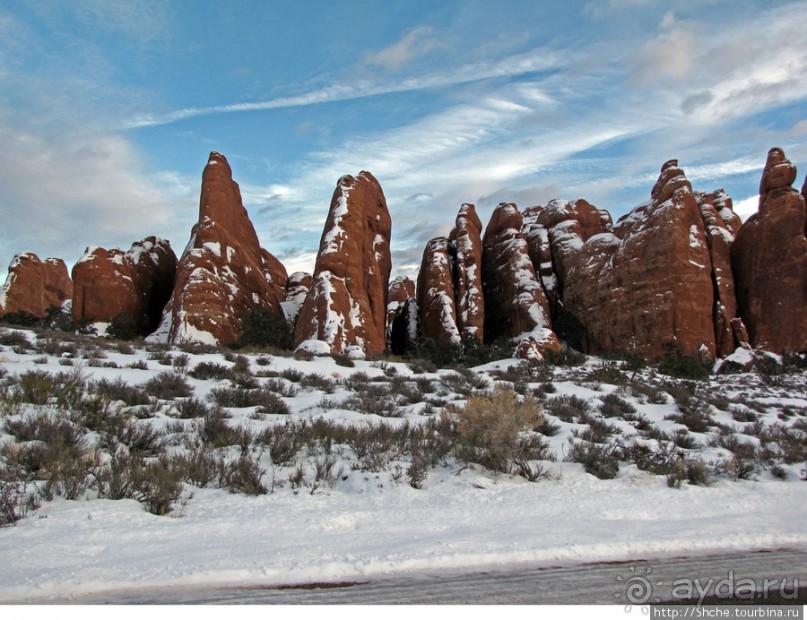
{"x":263,"y":328}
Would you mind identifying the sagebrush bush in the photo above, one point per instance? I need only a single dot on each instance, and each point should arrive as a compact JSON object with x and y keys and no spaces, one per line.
{"x":282,"y":388}
{"x":597,"y":459}
{"x":373,"y":447}
{"x":659,"y":459}
{"x":245,"y":475}
{"x":697,"y":472}
{"x":568,"y":408}
{"x":614,"y":406}
{"x":405,"y":391}
{"x":12,"y":338}
{"x":201,"y":467}
{"x":46,"y":428}
{"x":596,"y":431}
{"x":240,"y":362}
{"x":213,"y":429}
{"x":693,"y":471}
{"x":741,"y":413}
{"x":191,"y":408}
{"x":118,"y":389}
{"x":284,"y":441}
{"x":210,"y":370}
{"x":142,"y":439}
{"x":292,"y":374}
{"x":168,"y":385}
{"x":788,"y":443}
{"x":420,"y":366}
{"x":417,"y":472}
{"x":654,"y":394}
{"x":96,"y":413}
{"x":52,"y":450}
{"x":317,"y":381}
{"x":566,"y":357}
{"x":494,"y":430}
{"x":607,"y":373}
{"x":239,"y":397}
{"x":682,"y":439}
{"x":155,"y":483}
{"x":326,"y":473}
{"x":342,"y":359}
{"x":373,"y":399}
{"x":695,"y":414}
{"x":36,"y":387}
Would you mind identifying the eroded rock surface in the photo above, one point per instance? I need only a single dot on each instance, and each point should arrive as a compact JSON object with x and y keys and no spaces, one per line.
{"x":35,"y":286}
{"x":223,"y":273}
{"x":435,"y":292}
{"x":346,"y":306}
{"x":647,"y":287}
{"x":769,"y":260}
{"x":402,"y":316}
{"x":516,"y":306}
{"x":132,"y":286}
{"x":466,"y":241}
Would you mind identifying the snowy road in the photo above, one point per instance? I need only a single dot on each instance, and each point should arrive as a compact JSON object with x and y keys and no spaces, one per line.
{"x":602,"y":583}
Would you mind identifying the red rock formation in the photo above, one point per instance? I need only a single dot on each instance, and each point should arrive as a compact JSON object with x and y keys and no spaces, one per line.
{"x":769,"y":259}
{"x":346,"y":306}
{"x":466,"y":239}
{"x":725,"y":209}
{"x":540,"y":250}
{"x":647,"y":288}
{"x":223,"y":273}
{"x":716,"y":212}
{"x":402,"y":316}
{"x":515,"y":304}
{"x":296,"y":292}
{"x":132,"y":286}
{"x":34,"y":286}
{"x":435,"y":293}
{"x":568,"y":225}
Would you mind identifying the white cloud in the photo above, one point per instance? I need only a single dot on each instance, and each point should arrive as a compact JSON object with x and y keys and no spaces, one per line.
{"x":534,"y":61}
{"x":747,"y":207}
{"x":554,"y":122}
{"x":540,"y":136}
{"x":62,"y":193}
{"x":415,"y":43}
{"x":671,"y":55}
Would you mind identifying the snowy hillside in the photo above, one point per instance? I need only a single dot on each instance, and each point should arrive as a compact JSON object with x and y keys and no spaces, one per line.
{"x":276,"y":470}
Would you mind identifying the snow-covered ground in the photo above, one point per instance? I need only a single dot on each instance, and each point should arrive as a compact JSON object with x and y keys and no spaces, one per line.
{"x":373,"y":524}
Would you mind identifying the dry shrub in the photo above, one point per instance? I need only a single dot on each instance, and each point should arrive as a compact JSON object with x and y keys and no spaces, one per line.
{"x":496,"y":430}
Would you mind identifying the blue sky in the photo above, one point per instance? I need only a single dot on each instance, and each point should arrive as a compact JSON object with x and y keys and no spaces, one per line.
{"x":108,"y":110}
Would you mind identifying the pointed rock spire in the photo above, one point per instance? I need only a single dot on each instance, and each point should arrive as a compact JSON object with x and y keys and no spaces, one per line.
{"x":223,"y":273}
{"x":346,"y":307}
{"x":769,"y":260}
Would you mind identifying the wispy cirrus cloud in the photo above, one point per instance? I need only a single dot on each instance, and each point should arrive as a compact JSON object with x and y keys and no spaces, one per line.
{"x":537,"y":60}
{"x":415,"y":43}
